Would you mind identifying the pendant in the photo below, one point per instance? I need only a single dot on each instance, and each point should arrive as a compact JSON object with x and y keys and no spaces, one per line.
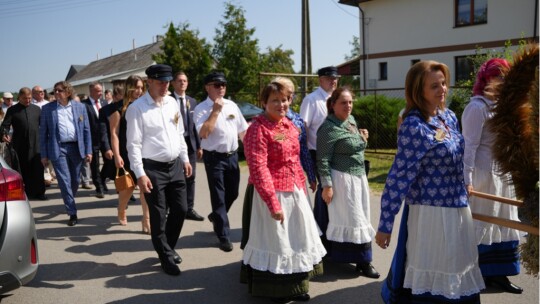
{"x":440,"y":134}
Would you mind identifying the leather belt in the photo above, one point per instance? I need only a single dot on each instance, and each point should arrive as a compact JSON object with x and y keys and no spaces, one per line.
{"x":221,"y":154}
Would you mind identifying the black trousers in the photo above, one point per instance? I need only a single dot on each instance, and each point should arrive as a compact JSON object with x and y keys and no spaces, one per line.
{"x":190,"y":181}
{"x":223,"y":176}
{"x":168,"y":192}
{"x":32,"y":174}
{"x":94,"y":169}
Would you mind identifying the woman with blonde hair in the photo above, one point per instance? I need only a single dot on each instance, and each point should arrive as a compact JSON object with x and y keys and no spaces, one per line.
{"x":134,"y":88}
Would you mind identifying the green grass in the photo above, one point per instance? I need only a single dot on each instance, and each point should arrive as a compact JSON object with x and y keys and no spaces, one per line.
{"x":379,"y":167}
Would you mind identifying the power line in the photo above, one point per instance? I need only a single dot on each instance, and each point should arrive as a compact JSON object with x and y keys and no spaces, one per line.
{"x":341,"y":8}
{"x":48,"y":7}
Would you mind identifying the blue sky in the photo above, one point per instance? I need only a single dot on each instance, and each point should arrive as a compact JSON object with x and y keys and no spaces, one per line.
{"x":41,"y":39}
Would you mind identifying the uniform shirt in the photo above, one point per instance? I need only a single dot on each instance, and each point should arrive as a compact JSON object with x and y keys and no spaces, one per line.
{"x":478,"y":138}
{"x":230,"y":122}
{"x":313,"y":111}
{"x":427,"y":169}
{"x":272,"y":152}
{"x":154,"y":132}
{"x":305,"y":156}
{"x":66,"y":126}
{"x":339,"y":147}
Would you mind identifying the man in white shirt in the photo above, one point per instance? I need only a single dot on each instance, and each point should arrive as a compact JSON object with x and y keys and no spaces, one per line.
{"x":38,"y":96}
{"x":220,"y":123}
{"x":158,"y":155}
{"x":8,"y":101}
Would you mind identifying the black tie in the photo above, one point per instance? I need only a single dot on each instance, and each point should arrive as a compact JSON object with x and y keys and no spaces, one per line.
{"x":184,"y":116}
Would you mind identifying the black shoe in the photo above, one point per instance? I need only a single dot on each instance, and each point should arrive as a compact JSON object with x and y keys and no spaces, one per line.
{"x":211,"y":218}
{"x":100,"y":194}
{"x":194,"y":216}
{"x":105,"y":188}
{"x":41,"y":197}
{"x":132,"y":198}
{"x":177,"y":259}
{"x":280,"y":300}
{"x":301,"y":298}
{"x":72,"y":220}
{"x":169,"y":267}
{"x":504,"y":283}
{"x":226,"y":245}
{"x":368,"y":270}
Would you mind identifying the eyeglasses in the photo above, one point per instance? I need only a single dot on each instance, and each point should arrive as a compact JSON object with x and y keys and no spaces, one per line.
{"x":39,"y":92}
{"x":219,"y":85}
{"x":59,"y":91}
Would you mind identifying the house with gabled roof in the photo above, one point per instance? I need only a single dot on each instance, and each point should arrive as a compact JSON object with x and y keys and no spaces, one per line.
{"x":115,"y":68}
{"x":394,"y":34}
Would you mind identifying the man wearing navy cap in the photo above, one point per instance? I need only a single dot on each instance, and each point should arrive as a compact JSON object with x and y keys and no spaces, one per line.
{"x":158,"y":155}
{"x":220,"y":123}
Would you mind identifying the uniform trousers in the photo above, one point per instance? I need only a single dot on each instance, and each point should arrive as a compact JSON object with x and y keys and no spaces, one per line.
{"x":223,"y":176}
{"x":68,"y":169}
{"x":190,"y":181}
{"x":168,"y":192}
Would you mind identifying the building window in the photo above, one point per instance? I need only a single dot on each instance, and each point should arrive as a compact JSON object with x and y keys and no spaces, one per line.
{"x":383,"y":71}
{"x":470,"y":12}
{"x":414,"y":61}
{"x":464,"y":68}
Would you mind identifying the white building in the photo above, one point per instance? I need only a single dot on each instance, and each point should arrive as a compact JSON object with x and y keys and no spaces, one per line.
{"x":395,"y":34}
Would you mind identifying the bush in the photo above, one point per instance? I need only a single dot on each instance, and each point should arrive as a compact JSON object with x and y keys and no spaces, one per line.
{"x":378,"y":114}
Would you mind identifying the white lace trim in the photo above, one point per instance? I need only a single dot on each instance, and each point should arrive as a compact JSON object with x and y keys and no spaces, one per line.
{"x":448,"y":285}
{"x":280,"y":263}
{"x":355,"y":235}
{"x":487,"y":235}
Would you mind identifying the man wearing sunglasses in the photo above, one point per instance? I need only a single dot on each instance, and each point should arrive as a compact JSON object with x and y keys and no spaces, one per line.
{"x":220,"y":123}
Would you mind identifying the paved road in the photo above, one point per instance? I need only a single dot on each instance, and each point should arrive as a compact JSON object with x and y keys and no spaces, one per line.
{"x":99,"y":261}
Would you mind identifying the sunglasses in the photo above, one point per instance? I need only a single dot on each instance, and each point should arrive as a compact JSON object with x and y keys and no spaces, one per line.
{"x":59,"y":91}
{"x":219,"y":85}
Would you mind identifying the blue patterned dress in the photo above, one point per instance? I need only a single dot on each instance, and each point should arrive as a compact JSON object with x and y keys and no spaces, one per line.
{"x":436,"y":260}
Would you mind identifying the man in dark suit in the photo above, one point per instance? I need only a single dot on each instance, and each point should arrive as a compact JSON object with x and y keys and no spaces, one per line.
{"x":23,"y":117}
{"x":65,"y":140}
{"x":187,"y":104}
{"x":93,"y":105}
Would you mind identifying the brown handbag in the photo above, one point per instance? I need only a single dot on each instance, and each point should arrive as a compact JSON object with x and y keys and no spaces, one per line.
{"x":123,"y":182}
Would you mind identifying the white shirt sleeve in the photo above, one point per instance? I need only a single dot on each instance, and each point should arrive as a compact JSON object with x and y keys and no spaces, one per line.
{"x":134,"y":136}
{"x":472,"y":120}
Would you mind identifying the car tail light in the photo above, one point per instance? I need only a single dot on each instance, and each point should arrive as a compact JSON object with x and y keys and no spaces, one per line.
{"x":13,"y":187}
{"x":33,"y":253}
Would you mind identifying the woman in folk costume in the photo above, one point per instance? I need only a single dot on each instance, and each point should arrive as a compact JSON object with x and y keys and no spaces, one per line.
{"x":284,"y":249}
{"x":345,"y":190}
{"x":436,"y":258}
{"x":497,"y":245}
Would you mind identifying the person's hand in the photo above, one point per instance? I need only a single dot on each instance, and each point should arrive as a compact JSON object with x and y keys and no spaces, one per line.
{"x":45,"y":162}
{"x":469,"y":189}
{"x":187,"y":169}
{"x":88,"y":158}
{"x":364,"y":133}
{"x":327,"y":194}
{"x":218,"y":105}
{"x":108,"y":154}
{"x":383,"y":239}
{"x":118,"y":161}
{"x":278,"y":216}
{"x":6,"y":138}
{"x":199,"y":154}
{"x":144,"y":183}
{"x":313,"y":186}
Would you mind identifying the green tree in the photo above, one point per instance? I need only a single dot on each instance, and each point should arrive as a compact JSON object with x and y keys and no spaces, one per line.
{"x":184,"y":51}
{"x":237,"y":53}
{"x":355,"y":51}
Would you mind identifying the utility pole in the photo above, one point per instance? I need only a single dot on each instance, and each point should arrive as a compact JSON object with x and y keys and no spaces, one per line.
{"x":306,"y":46}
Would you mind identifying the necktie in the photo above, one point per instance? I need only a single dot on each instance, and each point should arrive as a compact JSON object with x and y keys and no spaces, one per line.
{"x":98,"y":106}
{"x":184,"y":116}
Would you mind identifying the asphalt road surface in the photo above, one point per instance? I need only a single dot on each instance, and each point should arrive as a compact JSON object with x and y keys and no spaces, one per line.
{"x":99,"y":261}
